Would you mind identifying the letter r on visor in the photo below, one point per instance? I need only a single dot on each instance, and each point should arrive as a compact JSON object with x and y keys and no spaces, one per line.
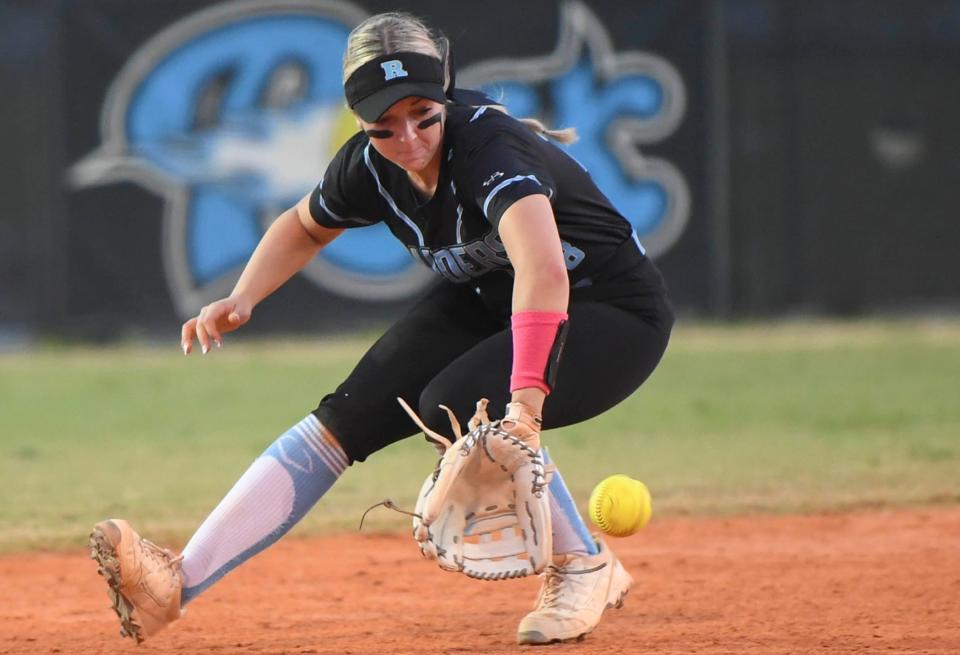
{"x":392,"y":69}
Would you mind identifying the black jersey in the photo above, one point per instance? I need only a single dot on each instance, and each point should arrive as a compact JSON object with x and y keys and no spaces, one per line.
{"x":489,"y":161}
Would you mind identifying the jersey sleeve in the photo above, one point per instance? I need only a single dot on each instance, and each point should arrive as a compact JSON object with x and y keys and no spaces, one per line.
{"x":504,"y":168}
{"x":344,"y":197}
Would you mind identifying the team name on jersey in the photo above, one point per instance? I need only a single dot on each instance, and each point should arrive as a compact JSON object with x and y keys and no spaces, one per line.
{"x":463,"y":261}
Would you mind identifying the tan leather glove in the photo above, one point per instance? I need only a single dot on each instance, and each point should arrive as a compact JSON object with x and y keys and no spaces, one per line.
{"x":524,"y":423}
{"x":485,"y":510}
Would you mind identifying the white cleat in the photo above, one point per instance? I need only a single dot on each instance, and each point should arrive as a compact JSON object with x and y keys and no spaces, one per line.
{"x":144,"y":581}
{"x":575,"y":592}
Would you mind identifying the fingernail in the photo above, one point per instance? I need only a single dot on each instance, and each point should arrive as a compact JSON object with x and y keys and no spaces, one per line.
{"x":206,"y":349}
{"x":184,"y":347}
{"x":219,"y":345}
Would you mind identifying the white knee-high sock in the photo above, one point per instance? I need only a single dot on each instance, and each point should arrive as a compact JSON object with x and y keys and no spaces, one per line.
{"x":269,"y":498}
{"x":570,"y":533}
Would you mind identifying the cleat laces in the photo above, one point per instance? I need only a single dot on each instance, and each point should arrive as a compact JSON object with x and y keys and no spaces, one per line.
{"x":163,"y":557}
{"x":553,"y":588}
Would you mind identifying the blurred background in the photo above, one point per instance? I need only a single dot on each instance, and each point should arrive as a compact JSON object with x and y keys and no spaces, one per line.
{"x":791,"y":166}
{"x":778,"y":158}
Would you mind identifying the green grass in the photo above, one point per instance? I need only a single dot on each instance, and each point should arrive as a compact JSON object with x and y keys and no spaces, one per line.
{"x":772,"y":418}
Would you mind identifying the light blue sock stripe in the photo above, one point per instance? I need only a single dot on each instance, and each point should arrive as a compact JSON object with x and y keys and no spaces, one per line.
{"x":562,"y":495}
{"x":314,"y":466}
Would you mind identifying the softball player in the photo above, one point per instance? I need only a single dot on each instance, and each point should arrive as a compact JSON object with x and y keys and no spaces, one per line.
{"x":532,"y":260}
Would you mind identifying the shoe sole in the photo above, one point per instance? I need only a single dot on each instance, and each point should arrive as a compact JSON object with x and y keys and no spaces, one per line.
{"x":104,"y":554}
{"x":537,"y":638}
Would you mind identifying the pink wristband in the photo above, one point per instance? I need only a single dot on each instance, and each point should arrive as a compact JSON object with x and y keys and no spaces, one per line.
{"x":534,"y":334}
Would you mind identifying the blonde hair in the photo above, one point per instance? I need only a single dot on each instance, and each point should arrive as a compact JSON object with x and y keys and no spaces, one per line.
{"x":398,"y":31}
{"x":395,"y":31}
{"x":566,"y":135}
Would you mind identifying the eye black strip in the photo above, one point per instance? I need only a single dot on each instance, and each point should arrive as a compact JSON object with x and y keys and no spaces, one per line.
{"x":427,"y":122}
{"x":422,"y":125}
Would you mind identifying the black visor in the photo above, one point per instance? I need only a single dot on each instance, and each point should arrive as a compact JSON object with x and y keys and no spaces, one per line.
{"x":379,"y":83}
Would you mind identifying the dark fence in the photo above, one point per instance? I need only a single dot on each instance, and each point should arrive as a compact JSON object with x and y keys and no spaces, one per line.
{"x":775,"y":157}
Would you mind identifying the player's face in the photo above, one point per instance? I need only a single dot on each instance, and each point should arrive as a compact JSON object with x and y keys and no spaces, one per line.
{"x":409,"y":134}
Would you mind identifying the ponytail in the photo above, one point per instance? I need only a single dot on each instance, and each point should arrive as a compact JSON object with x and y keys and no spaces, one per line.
{"x":565,"y":136}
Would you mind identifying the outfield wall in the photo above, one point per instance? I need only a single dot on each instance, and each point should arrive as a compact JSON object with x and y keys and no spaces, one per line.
{"x":775,"y":157}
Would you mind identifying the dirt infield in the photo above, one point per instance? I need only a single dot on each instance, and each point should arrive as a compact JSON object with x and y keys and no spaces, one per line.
{"x":866,"y":582}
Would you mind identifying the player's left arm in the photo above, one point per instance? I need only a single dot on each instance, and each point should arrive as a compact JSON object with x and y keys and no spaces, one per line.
{"x":529,"y":233}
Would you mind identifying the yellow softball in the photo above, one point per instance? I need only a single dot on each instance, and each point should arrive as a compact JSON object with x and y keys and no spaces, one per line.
{"x":620,"y":505}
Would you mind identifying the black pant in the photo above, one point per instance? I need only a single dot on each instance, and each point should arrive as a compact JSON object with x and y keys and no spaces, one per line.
{"x":449,"y":349}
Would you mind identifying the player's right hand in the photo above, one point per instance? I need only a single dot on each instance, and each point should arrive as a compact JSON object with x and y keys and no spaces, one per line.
{"x":213,"y":321}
